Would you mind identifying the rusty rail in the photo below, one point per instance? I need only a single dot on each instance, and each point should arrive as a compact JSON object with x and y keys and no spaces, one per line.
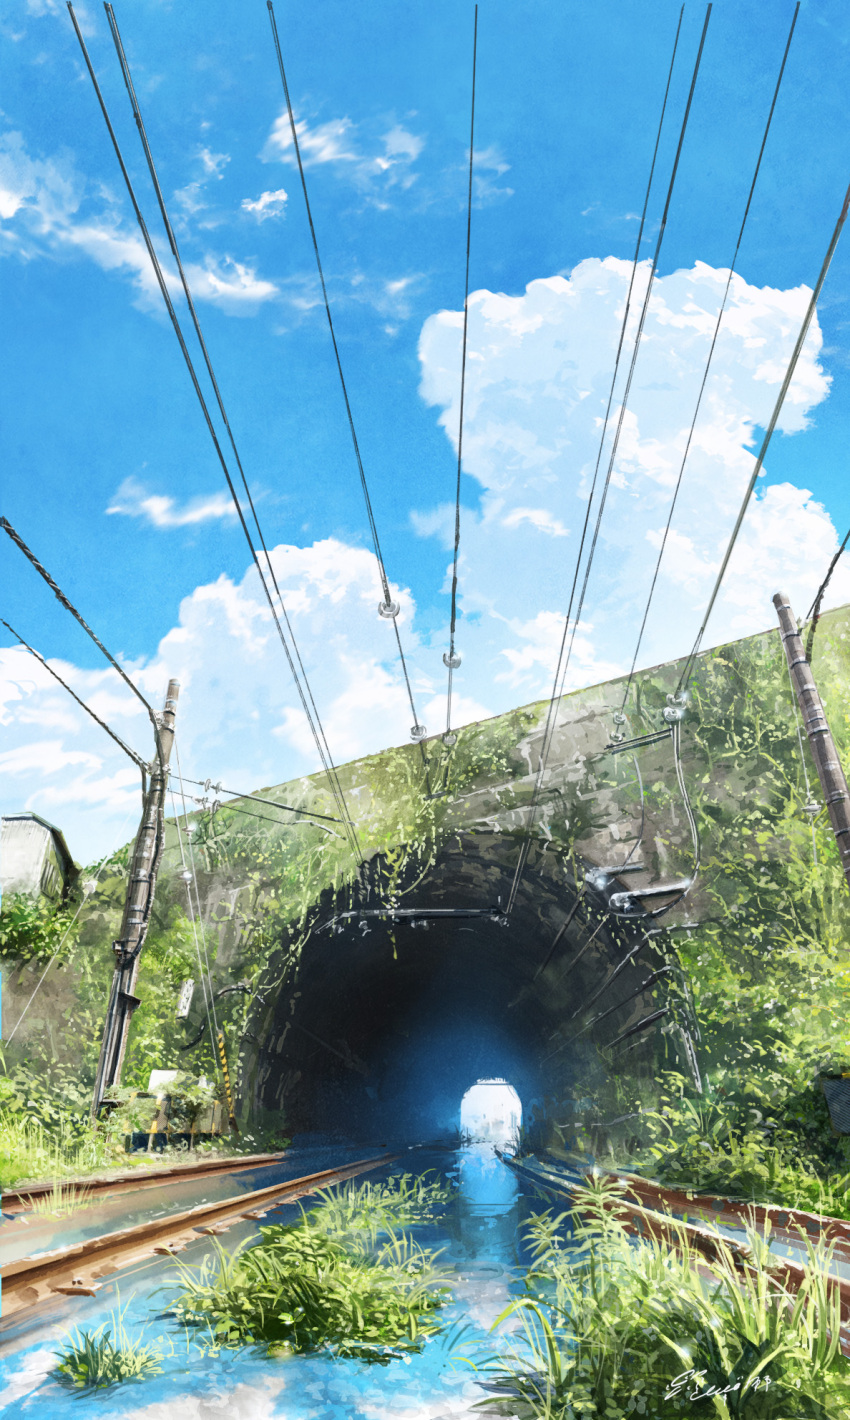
{"x":77,"y":1270}
{"x":18,"y":1200}
{"x":649,"y":1223}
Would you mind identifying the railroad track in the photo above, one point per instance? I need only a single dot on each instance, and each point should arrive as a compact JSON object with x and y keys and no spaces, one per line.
{"x":651,"y":1223}
{"x":20,"y":1200}
{"x":78,"y":1270}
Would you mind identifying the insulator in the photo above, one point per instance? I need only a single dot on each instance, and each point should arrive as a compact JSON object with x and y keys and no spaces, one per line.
{"x":388,"y":610}
{"x":449,"y":739}
{"x":596,"y":879}
{"x":623,"y":902}
{"x":673,"y":713}
{"x":619,"y":718}
{"x":186,"y":877}
{"x":451,"y":659}
{"x":418,"y":732}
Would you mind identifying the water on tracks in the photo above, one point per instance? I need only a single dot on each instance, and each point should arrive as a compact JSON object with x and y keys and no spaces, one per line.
{"x":481,"y":1240}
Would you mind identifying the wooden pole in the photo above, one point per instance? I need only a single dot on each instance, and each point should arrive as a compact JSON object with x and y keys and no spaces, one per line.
{"x":828,"y":765}
{"x":141,"y":880}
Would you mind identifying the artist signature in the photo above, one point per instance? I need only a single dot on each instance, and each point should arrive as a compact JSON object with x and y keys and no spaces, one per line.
{"x":694,"y":1377}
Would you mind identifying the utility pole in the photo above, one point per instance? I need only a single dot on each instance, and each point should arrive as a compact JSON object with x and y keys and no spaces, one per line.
{"x":830,"y":773}
{"x":141,"y":880}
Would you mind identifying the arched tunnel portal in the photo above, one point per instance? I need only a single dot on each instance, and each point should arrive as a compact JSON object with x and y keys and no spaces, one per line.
{"x":386,"y":1020}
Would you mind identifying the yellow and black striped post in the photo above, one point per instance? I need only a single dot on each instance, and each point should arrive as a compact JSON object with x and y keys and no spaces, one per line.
{"x":231,"y":1117}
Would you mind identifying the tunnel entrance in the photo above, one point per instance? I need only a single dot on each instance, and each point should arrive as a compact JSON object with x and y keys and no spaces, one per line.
{"x":378,"y":1025}
{"x":491,"y":1112}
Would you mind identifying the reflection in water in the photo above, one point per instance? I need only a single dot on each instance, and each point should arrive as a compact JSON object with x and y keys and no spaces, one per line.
{"x":492,"y":1111}
{"x":479,"y":1241}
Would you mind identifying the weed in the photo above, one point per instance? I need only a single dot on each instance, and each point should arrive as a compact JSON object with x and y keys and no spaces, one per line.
{"x":60,"y":1201}
{"x":94,"y":1360}
{"x":613,"y":1327}
{"x":404,"y":1201}
{"x":322,"y":1283}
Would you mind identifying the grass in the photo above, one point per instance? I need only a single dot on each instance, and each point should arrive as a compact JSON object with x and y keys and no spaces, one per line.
{"x":404,"y":1201}
{"x":30,"y":1152}
{"x":61,"y":1200}
{"x":613,"y":1327}
{"x":108,"y":1356}
{"x":324,"y":1283}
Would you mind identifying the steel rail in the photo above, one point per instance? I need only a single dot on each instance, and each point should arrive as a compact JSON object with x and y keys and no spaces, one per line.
{"x":19,"y":1200}
{"x":72,"y":1271}
{"x":648,"y":1223}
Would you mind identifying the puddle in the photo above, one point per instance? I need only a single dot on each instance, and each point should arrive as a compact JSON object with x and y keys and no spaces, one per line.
{"x":481,"y":1242}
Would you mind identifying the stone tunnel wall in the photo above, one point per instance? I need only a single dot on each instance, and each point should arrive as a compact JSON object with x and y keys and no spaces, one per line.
{"x":345,"y":1021}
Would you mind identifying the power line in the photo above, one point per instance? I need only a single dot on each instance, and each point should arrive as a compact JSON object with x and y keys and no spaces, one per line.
{"x":452,"y":660}
{"x":565,"y":652}
{"x":780,"y":399}
{"x":136,"y":758}
{"x":814,"y":609}
{"x":305,"y":813}
{"x":388,"y":608}
{"x":195,"y":884}
{"x":172,"y":241}
{"x":315,"y":727}
{"x":720,"y":314}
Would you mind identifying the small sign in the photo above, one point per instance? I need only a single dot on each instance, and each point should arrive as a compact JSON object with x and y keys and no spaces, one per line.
{"x":185,"y":999}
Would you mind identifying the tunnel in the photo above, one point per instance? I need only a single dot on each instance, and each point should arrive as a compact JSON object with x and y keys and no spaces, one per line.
{"x":391,"y":1015}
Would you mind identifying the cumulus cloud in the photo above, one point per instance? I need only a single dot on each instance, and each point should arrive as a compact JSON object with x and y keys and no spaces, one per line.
{"x":48,"y":209}
{"x":539,"y":368}
{"x":133,"y":500}
{"x":239,"y":716}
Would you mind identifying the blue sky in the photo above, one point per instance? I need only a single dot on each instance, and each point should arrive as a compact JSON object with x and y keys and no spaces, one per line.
{"x":110,"y":474}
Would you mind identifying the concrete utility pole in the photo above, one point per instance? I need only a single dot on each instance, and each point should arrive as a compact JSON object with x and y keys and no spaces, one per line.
{"x":141,"y":880}
{"x":831,"y":775}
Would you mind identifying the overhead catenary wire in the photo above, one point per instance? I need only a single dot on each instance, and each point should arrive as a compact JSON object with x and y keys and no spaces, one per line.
{"x":389,"y":608}
{"x":813,"y":613}
{"x":175,"y":251}
{"x":258,"y":798}
{"x":565,"y":651}
{"x":451,"y":660}
{"x":235,"y":808}
{"x":136,"y":758}
{"x":768,"y":435}
{"x":718,"y":322}
{"x":195,"y":884}
{"x":206,"y":985}
{"x":314,"y":723}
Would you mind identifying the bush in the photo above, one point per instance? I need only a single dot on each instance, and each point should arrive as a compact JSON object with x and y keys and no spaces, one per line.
{"x":319,"y":1284}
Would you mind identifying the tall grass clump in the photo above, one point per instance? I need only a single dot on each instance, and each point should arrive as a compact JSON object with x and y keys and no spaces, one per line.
{"x":108,"y":1356}
{"x":325,"y":1283}
{"x":617,"y":1327}
{"x":404,"y":1201}
{"x":31,"y":1151}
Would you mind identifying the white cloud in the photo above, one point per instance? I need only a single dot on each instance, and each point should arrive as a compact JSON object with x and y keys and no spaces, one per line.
{"x":386,"y":159}
{"x":48,"y":210}
{"x":539,"y":368}
{"x":268,"y":204}
{"x":213,"y":163}
{"x":537,"y":382}
{"x":134,"y":501}
{"x":239,"y":718}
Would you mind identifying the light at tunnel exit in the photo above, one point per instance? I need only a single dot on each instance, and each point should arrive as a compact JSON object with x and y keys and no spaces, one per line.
{"x":491,"y":1111}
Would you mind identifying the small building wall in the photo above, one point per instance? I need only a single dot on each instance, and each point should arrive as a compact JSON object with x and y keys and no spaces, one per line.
{"x":34,"y":857}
